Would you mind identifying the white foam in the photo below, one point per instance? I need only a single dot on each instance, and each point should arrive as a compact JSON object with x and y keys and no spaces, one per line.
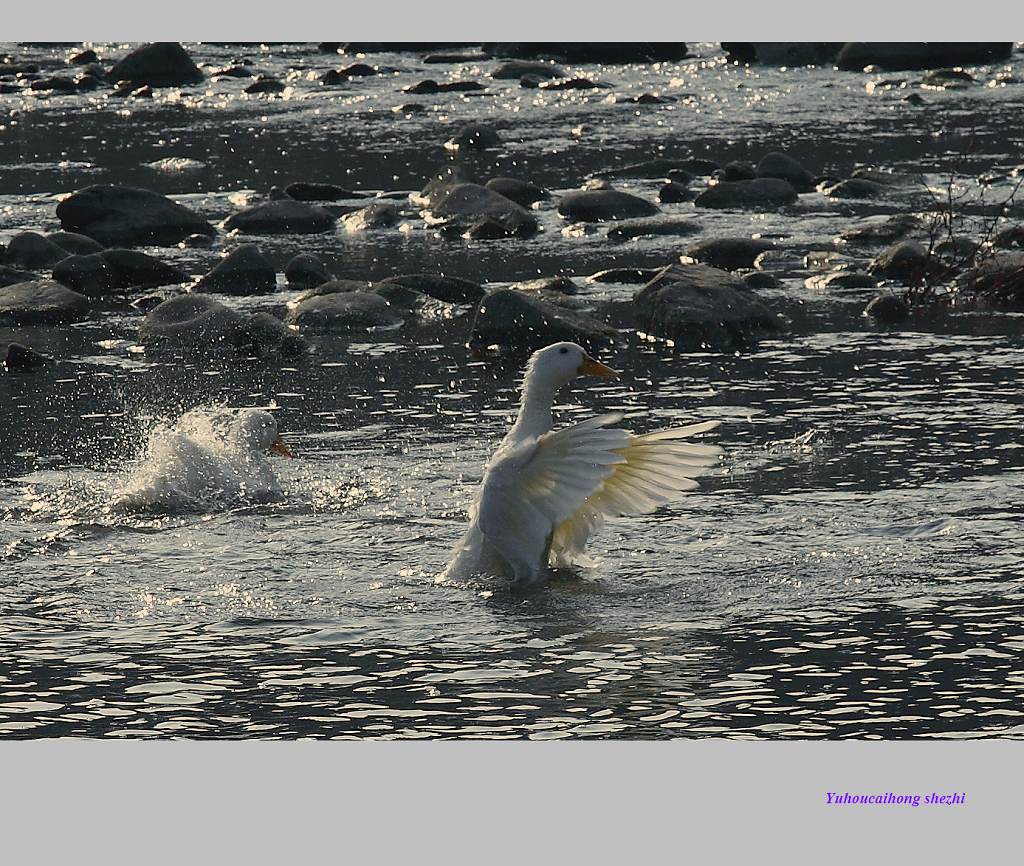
{"x":200,"y":461}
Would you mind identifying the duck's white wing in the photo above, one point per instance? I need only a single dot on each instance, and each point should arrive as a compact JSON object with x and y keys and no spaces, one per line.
{"x":653,"y":469}
{"x":531,"y":488}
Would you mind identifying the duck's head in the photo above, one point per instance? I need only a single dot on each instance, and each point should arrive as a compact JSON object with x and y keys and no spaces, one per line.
{"x":558,"y":364}
{"x":258,"y":432}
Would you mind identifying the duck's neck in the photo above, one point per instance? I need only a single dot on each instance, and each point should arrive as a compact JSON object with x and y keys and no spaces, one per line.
{"x":534,"y":410}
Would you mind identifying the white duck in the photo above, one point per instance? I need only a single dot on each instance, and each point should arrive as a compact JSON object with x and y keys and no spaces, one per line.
{"x":545,"y":492}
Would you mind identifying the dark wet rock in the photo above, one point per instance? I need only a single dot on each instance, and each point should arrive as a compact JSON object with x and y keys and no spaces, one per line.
{"x":475,"y":136}
{"x":598,"y":205}
{"x":515,"y":69}
{"x":145,"y":92}
{"x":841,"y":278}
{"x":695,"y":166}
{"x":159,"y":64}
{"x":342,"y":311}
{"x":646,"y":99}
{"x":281,"y":215}
{"x":479,"y":229}
{"x":856,"y":187}
{"x":464,"y":205}
{"x":783,"y":167}
{"x":124,"y":215}
{"x":888,"y":310}
{"x":881,"y":230}
{"x":963,"y":249}
{"x":780,"y":261}
{"x":409,"y":108}
{"x":196,"y":242}
{"x":627,"y":276}
{"x":8,"y":87}
{"x":590,"y":52}
{"x":571,"y":84}
{"x":265,"y":84}
{"x":305,"y":271}
{"x":198,"y":324}
{"x":531,"y":82}
{"x":999,"y":278}
{"x":728,"y":253}
{"x":526,"y":321}
{"x":74,"y":243}
{"x":243,"y":271}
{"x":84,"y":58}
{"x":1009,"y":238}
{"x":698,"y":306}
{"x":41,"y":302}
{"x":359,"y":70}
{"x":55,"y":83}
{"x":905,"y":261}
{"x":674,"y":192}
{"x":947,"y":78}
{"x":18,"y":357}
{"x":376,"y":215}
{"x":765,"y":192}
{"x":886,"y":178}
{"x":149,"y":300}
{"x":559,"y":285}
{"x":430,"y":86}
{"x":457,"y":57}
{"x":10,"y":276}
{"x":737,"y":170}
{"x":233,"y":72}
{"x":824,"y":260}
{"x":782,"y":53}
{"x":651,"y":169}
{"x":85,"y":83}
{"x":920,"y":55}
{"x":656,"y":226}
{"x":452,"y":290}
{"x":114,"y":270}
{"x":760,"y":280}
{"x":33,"y":250}
{"x":914,"y":99}
{"x":319,"y":192}
{"x":332,"y":287}
{"x":522,"y":192}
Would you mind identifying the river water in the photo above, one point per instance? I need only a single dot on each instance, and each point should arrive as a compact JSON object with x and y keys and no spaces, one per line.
{"x":852,"y":568}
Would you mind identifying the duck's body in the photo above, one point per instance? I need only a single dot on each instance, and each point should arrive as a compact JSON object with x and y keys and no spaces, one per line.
{"x":545,"y":492}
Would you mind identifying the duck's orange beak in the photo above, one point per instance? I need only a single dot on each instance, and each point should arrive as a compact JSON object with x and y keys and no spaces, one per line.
{"x":280,"y":448}
{"x":590,"y":367}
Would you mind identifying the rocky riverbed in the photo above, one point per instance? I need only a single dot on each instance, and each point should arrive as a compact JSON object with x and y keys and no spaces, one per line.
{"x":821,"y":245}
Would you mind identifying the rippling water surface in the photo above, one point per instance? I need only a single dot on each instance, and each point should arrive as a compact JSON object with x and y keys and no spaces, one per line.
{"x":852,"y":568}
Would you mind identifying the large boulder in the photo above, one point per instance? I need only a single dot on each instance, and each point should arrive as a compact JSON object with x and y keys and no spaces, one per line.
{"x":74,"y":243}
{"x":782,"y":53}
{"x":599,"y":205}
{"x":907,"y":262}
{"x":41,"y":302}
{"x":343,"y":311}
{"x":698,"y":306}
{"x":783,"y":167}
{"x":729,"y":254}
{"x":305,"y":271}
{"x":920,"y":55}
{"x":376,"y":215}
{"x":451,"y":290}
{"x":198,"y":324}
{"x":283,"y":215}
{"x":474,"y":136}
{"x":128,"y":216}
{"x":10,"y":276}
{"x":114,"y":270}
{"x":450,"y":197}
{"x":516,"y":69}
{"x":243,"y":271}
{"x":625,"y":230}
{"x":998,"y":278}
{"x":159,"y":64}
{"x":32,"y":250}
{"x":765,"y":192}
{"x":590,"y":52}
{"x":513,"y":319}
{"x":522,"y":192}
